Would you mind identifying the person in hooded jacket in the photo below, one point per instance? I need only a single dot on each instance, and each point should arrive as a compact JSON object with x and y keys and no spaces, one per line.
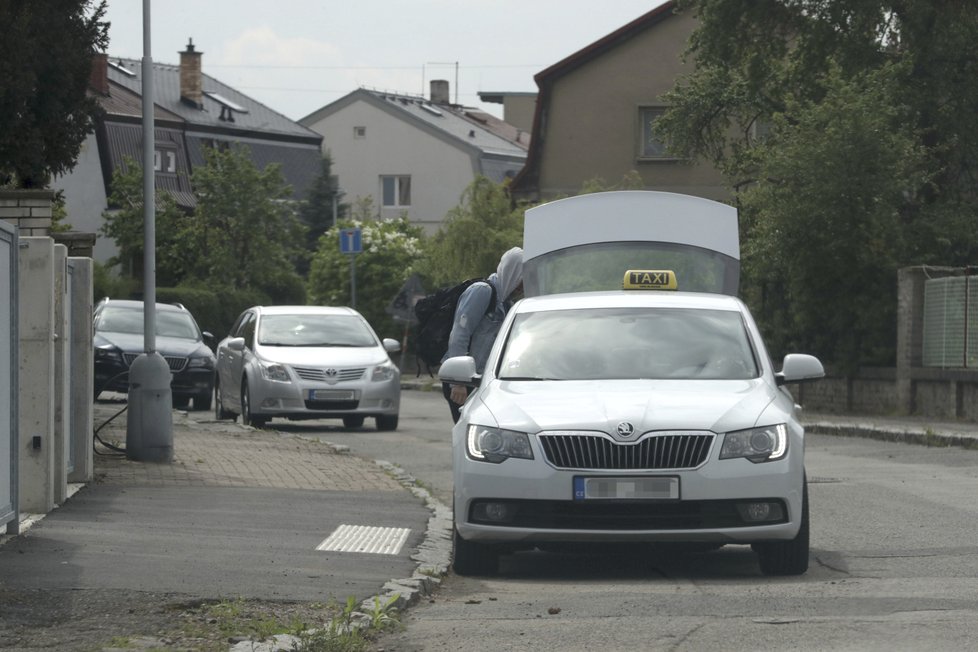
{"x":476,"y":326}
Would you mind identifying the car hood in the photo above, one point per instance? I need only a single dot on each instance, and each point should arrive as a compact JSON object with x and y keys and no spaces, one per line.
{"x":132,"y":343}
{"x":719,"y":406}
{"x":323,"y":356}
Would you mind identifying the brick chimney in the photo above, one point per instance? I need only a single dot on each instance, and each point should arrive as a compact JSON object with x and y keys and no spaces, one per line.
{"x":439,"y":91}
{"x":99,"y":81}
{"x":191,"y":85}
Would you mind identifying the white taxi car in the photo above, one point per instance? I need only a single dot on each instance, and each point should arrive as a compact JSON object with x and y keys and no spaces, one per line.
{"x":642,"y":414}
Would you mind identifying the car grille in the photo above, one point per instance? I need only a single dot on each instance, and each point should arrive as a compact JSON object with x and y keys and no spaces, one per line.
{"x":320,"y":375}
{"x":176,"y":364}
{"x":655,"y":451}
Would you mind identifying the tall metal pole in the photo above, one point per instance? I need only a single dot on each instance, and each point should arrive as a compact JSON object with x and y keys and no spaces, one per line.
{"x":149,"y":424}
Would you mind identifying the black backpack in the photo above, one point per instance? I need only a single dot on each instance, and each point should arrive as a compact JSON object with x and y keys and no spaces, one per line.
{"x":436,"y":316}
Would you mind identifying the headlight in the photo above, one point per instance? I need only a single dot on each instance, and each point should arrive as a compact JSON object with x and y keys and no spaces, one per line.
{"x":383,"y":372}
{"x":275,"y":371}
{"x":207,"y":362}
{"x":495,"y":445}
{"x":756,"y":444}
{"x":108,"y":353}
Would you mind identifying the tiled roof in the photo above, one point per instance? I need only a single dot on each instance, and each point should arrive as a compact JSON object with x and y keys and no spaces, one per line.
{"x":166,"y":94}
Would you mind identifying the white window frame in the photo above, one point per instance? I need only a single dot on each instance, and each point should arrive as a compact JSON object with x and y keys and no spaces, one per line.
{"x":649,"y":147}
{"x":401,"y":190}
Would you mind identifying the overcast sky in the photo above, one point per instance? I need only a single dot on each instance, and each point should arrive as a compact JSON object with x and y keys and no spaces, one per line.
{"x":296,"y":56}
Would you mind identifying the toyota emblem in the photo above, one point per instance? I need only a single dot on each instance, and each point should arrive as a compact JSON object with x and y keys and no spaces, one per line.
{"x":331,"y":373}
{"x":625,"y":429}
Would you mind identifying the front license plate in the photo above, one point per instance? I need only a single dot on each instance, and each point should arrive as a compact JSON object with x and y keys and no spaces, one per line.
{"x":331,"y":395}
{"x":658,"y":488}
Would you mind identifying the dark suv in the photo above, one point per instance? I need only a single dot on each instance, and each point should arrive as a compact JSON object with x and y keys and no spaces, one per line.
{"x":119,"y":339}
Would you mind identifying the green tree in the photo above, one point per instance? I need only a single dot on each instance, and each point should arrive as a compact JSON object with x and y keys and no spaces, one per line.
{"x":45,"y":63}
{"x":765,"y":105}
{"x":474,"y":235}
{"x":391,"y":249}
{"x":245,"y":234}
{"x":317,"y":211}
{"x":124,"y":223}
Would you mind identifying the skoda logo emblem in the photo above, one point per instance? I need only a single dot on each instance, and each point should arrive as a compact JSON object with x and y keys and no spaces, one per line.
{"x":625,"y":429}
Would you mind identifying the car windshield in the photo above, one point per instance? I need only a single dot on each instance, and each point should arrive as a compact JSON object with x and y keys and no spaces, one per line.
{"x":314,"y":330}
{"x":628,"y":343}
{"x":114,"y":319}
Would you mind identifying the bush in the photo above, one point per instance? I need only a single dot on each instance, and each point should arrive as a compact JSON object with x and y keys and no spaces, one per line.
{"x":215,"y":309}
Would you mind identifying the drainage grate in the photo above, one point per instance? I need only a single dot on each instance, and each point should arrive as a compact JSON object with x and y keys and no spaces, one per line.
{"x":363,"y":538}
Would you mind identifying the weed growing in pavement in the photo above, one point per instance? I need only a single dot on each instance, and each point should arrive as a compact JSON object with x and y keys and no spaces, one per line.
{"x":347,"y":632}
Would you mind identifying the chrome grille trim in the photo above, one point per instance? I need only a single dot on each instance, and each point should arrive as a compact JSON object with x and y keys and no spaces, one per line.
{"x":656,"y":450}
{"x":175,"y":363}
{"x":318,"y":374}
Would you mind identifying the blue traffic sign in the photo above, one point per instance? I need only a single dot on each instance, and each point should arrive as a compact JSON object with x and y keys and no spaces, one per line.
{"x":351,"y":241}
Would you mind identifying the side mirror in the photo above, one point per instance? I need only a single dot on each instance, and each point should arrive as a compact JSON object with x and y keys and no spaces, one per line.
{"x":798,"y":368}
{"x":391,"y":345}
{"x":236,"y":343}
{"x":459,"y":370}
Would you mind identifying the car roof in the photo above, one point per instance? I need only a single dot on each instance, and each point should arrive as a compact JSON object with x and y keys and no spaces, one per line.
{"x":135,"y":303}
{"x":305,"y":310}
{"x":631,"y":298}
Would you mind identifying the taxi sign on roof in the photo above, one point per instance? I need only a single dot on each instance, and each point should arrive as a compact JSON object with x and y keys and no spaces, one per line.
{"x":650,"y":279}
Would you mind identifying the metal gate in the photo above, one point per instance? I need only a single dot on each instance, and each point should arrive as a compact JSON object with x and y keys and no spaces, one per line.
{"x":8,"y":378}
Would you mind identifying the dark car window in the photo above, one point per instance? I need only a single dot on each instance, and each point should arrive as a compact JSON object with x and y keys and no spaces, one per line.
{"x":247,"y":330}
{"x":629,"y":343}
{"x":315,"y":330}
{"x":130,"y":320}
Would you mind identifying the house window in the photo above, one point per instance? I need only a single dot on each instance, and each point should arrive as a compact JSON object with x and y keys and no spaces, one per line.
{"x":651,"y":145}
{"x":359,"y":132}
{"x":165,"y":161}
{"x":396,"y":191}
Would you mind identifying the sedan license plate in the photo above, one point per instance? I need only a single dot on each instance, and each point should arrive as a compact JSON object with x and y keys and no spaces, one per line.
{"x":331,"y":395}
{"x":626,"y":488}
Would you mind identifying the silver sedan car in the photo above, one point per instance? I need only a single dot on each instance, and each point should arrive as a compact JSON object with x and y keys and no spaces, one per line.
{"x":306,"y":362}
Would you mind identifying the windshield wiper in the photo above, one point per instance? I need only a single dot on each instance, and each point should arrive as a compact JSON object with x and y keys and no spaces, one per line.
{"x":527,"y":378}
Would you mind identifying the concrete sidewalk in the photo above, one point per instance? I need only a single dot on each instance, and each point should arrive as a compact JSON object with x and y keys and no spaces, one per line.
{"x":924,"y":431}
{"x":239,"y":513}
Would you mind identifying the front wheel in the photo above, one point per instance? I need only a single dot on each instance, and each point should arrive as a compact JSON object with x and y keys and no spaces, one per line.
{"x":787,"y":557}
{"x":352,"y":421}
{"x":247,"y":418}
{"x":470,"y":558}
{"x":387,"y":422}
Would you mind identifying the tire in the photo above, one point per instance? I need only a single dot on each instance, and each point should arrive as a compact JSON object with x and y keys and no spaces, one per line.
{"x":469,"y":558}
{"x":247,"y":418}
{"x":787,"y":557}
{"x":219,"y":412}
{"x":353,"y":421}
{"x":181,"y":401}
{"x":202,"y":402}
{"x":386,"y":423}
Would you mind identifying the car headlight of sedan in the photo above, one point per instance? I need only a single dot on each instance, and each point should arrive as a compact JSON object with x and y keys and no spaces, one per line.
{"x":764,"y":444}
{"x":108,"y":353}
{"x":205,"y":362}
{"x":488,"y":444}
{"x":383,"y":372}
{"x":274,"y":371}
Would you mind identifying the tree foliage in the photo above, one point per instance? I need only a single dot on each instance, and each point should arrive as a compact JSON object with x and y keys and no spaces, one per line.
{"x":245,"y":233}
{"x":124,"y":222}
{"x":322,"y":208}
{"x":391,"y":249}
{"x":45,"y":63}
{"x":474,"y":235}
{"x":845,"y":128}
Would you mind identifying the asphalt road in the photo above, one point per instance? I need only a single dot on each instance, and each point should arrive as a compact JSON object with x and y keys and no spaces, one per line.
{"x":894,"y":567}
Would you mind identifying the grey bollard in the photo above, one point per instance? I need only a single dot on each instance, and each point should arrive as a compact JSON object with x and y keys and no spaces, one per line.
{"x":149,"y":424}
